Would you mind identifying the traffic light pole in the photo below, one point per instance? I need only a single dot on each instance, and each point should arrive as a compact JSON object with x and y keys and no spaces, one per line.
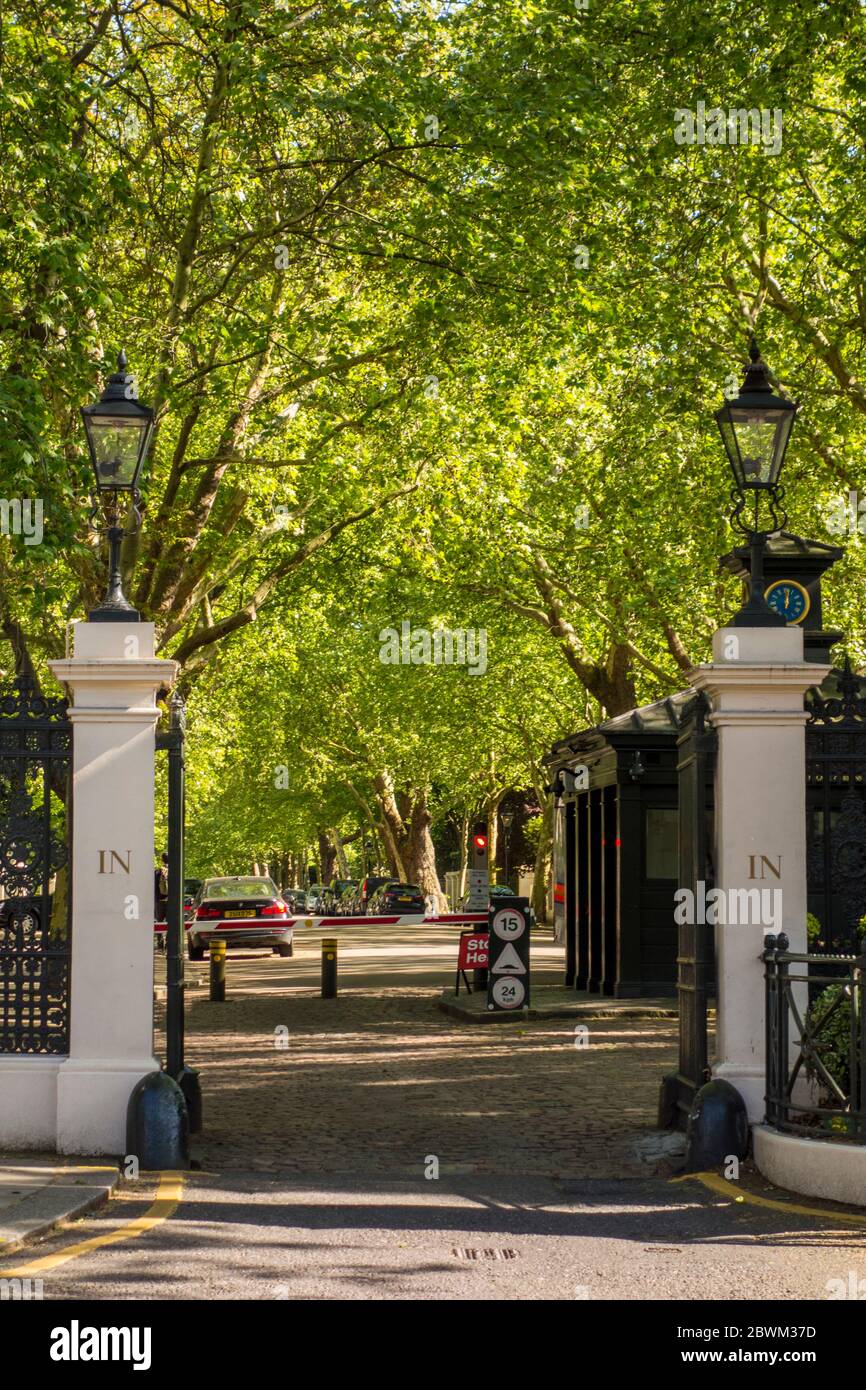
{"x":479,"y":886}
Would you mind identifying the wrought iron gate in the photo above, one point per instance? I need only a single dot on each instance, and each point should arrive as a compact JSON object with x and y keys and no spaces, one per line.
{"x":35,"y":819}
{"x":696,"y":748}
{"x":836,"y":811}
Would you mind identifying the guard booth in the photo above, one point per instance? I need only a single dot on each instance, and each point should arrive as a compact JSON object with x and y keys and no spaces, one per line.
{"x":634,"y":818}
{"x":616,"y":847}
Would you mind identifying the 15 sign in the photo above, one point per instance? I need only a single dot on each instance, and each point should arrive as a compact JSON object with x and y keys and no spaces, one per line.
{"x":508,"y":980}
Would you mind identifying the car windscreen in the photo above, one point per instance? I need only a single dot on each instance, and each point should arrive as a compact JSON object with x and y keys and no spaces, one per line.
{"x":240,"y":888}
{"x":403,"y":888}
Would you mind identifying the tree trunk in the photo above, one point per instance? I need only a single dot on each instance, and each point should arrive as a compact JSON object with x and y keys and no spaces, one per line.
{"x":393,"y":828}
{"x":465,"y":830}
{"x":327,"y":856}
{"x":541,"y":886}
{"x":421,"y":852}
{"x":342,"y":861}
{"x":491,"y":813}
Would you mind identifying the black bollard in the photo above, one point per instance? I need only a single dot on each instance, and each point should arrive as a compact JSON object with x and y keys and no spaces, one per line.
{"x":329,"y":967}
{"x":157,"y":1124}
{"x":718,"y":1127}
{"x":218,"y":972}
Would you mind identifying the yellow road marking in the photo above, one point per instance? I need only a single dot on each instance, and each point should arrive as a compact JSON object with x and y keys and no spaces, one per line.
{"x":164,"y":1205}
{"x":86,"y":1168}
{"x":724,"y":1187}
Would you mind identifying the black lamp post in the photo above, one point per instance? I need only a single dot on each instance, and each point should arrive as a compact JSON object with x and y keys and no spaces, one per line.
{"x":118,"y":429}
{"x":507,"y":822}
{"x":755,"y":429}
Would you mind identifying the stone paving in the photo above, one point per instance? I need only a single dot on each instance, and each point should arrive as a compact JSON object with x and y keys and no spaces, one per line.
{"x":378,"y":1081}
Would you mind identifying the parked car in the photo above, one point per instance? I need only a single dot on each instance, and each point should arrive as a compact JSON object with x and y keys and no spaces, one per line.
{"x":190,"y":892}
{"x":398,"y":897}
{"x":346,"y":901}
{"x":368,"y":887}
{"x":343,"y":890}
{"x":297,"y":899}
{"x":244,"y":911}
{"x":324,"y":900}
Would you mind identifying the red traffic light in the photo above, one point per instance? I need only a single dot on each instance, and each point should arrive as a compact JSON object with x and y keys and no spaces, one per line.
{"x":479,"y":841}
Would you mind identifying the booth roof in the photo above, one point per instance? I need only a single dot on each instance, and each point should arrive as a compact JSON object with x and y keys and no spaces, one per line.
{"x":663,"y":718}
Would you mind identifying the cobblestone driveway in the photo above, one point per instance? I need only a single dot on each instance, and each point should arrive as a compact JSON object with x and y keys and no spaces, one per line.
{"x":375,"y":1081}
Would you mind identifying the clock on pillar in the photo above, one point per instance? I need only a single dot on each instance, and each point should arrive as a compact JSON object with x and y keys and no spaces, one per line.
{"x":790,"y":599}
{"x":793,"y":568}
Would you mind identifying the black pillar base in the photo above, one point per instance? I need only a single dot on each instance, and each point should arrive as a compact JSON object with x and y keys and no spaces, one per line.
{"x":114,"y":615}
{"x":157,"y":1124}
{"x":718,"y":1127}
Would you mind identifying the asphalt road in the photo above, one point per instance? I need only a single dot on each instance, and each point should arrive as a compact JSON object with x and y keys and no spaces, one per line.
{"x":542,"y":1208}
{"x":243,"y":1236}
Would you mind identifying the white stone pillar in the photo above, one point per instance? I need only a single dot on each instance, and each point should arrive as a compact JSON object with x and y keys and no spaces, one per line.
{"x":113,"y":676}
{"x":755,"y":684}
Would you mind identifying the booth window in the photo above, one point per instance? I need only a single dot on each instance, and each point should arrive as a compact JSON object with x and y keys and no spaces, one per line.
{"x":661,"y":842}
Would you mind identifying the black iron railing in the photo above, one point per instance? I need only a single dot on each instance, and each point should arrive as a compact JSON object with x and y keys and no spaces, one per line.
{"x":816,"y":1043}
{"x":35,"y":887}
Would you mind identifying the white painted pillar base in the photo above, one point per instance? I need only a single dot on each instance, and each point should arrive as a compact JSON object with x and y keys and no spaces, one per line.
{"x":91,"y":1103}
{"x":28,"y":1101}
{"x":114,"y":678}
{"x":755,"y":684}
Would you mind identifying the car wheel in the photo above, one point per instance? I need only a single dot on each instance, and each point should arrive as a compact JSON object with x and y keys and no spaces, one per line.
{"x":287,"y":949}
{"x":193,"y":950}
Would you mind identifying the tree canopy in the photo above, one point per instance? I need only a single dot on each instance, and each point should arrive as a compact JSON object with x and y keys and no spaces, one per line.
{"x":433,"y":304}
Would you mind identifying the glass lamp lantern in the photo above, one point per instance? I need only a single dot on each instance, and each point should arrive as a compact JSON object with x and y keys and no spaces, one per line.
{"x":755,"y":429}
{"x":118,"y":429}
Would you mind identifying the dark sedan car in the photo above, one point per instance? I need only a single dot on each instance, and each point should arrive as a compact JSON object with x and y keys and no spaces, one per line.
{"x":369,"y":887}
{"x":242,"y":911}
{"x":405,"y":898}
{"x":299,"y":900}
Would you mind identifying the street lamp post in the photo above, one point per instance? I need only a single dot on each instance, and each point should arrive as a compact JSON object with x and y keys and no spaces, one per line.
{"x":507,"y":822}
{"x":119,"y":430}
{"x":755,"y":429}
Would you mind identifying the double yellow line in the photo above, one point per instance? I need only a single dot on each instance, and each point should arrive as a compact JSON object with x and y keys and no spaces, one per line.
{"x":724,"y":1187}
{"x":164,"y":1205}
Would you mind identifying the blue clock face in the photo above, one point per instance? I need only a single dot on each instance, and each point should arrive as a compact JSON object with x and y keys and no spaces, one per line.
{"x":789,"y":599}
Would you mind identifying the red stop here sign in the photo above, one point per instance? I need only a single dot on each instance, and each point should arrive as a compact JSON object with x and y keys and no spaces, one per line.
{"x":473,"y":951}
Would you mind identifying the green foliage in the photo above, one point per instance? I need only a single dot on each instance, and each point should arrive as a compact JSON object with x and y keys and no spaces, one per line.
{"x":387,"y":388}
{"x":830,"y":1016}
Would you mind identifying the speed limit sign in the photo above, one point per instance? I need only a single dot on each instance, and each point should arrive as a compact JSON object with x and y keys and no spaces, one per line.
{"x":508,"y":978}
{"x":508,"y":924}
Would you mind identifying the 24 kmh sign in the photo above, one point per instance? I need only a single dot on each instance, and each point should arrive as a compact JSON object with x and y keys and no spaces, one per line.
{"x":508,"y":979}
